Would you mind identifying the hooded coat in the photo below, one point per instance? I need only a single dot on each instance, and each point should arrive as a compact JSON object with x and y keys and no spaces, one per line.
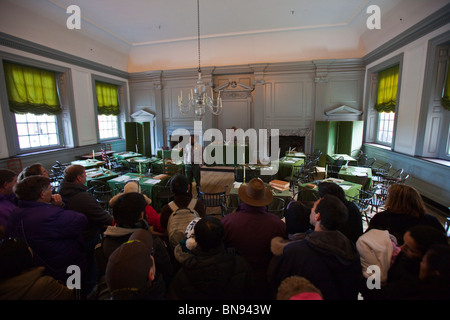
{"x":328,"y":259}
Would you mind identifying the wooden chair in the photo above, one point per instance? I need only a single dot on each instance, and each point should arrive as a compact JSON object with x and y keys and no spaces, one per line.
{"x":363,"y":201}
{"x":232,"y":202}
{"x":14,"y":164}
{"x":101,"y":191}
{"x":277,"y":207}
{"x":214,"y":200}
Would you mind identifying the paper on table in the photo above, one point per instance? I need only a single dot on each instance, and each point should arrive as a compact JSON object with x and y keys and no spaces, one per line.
{"x":289,"y":161}
{"x":236,"y":185}
{"x":121,"y":178}
{"x":345,"y":187}
{"x":151,"y":181}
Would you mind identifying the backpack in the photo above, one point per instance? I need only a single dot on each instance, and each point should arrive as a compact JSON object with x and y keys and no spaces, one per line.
{"x":179,"y":220}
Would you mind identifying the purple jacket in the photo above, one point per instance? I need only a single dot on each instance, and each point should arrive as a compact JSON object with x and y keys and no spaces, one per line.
{"x":249,"y":230}
{"x":54,"y":235}
{"x":7,"y":205}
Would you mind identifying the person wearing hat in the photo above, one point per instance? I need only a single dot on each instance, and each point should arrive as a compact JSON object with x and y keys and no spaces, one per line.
{"x":128,"y":211}
{"x":152,"y":217}
{"x":131,"y":272}
{"x":250,"y":230}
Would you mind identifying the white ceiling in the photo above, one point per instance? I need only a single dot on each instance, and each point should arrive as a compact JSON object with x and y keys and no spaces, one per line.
{"x":132,"y":24}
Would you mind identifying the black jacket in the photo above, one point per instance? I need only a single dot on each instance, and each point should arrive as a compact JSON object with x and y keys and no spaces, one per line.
{"x":77,"y":198}
{"x":219,"y":274}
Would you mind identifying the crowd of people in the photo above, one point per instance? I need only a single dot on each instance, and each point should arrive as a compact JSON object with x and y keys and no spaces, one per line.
{"x":132,"y":252}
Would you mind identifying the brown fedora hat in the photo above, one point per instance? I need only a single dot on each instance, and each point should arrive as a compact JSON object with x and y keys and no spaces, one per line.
{"x":255,"y":193}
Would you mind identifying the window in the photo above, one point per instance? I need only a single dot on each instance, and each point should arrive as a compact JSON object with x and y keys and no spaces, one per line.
{"x":385,"y":127}
{"x":108,"y":110}
{"x":33,"y":100}
{"x":35,"y":131}
{"x":107,"y":127}
{"x":386,"y":103}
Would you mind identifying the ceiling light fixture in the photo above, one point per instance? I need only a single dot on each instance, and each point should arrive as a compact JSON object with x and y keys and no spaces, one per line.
{"x":198,"y":98}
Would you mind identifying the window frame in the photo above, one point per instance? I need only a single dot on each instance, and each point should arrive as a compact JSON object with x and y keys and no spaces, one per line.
{"x":372,"y":82}
{"x":122,"y":96}
{"x":9,"y":119}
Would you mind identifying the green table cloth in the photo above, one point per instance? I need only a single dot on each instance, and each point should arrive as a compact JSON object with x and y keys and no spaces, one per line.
{"x":146,"y":182}
{"x":100,"y":174}
{"x":89,"y":163}
{"x":168,"y":154}
{"x":287,"y":166}
{"x":126,"y":155}
{"x":295,"y":154}
{"x":157,"y":166}
{"x":351,"y":189}
{"x":360,"y":175}
{"x":141,"y":164}
{"x":331,"y":158}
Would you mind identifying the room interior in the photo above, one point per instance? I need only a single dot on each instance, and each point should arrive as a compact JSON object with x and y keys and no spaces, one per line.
{"x":282,"y":65}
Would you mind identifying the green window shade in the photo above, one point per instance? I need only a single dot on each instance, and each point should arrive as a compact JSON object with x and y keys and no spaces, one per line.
{"x":31,"y":90}
{"x":387,"y":90}
{"x":445,"y":98}
{"x":107,"y":99}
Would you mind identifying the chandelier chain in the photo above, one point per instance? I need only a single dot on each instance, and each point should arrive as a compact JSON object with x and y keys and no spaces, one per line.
{"x":198,"y":34}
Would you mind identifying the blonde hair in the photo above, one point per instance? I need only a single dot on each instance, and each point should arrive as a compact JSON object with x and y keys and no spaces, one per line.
{"x":405,"y":199}
{"x":294,"y":285}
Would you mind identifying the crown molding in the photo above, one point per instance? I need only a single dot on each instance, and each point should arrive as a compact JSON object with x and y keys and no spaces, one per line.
{"x":10,"y":41}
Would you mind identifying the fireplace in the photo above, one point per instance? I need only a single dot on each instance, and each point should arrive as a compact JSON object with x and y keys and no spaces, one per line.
{"x":291,"y":142}
{"x":300,"y":139}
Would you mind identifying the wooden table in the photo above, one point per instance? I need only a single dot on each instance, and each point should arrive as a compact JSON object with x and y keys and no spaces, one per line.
{"x":360,"y":175}
{"x":97,"y":155}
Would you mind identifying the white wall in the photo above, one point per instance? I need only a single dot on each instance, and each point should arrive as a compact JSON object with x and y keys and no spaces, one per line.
{"x":24,"y":23}
{"x":83,"y":99}
{"x":413,"y":71}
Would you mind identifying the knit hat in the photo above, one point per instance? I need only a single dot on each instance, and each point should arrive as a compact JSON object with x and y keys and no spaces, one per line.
{"x":130,"y":186}
{"x":191,"y":244}
{"x":375,"y":248}
{"x":129,"y":265}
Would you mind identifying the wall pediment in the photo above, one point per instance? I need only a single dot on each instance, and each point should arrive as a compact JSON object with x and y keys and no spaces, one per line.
{"x":343,"y":113}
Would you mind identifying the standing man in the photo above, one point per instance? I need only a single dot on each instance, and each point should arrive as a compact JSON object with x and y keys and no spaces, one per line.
{"x":193,"y":161}
{"x":250,"y":230}
{"x":74,"y":192}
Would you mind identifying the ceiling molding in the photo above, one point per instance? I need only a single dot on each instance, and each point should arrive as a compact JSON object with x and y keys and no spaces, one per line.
{"x":432,"y":22}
